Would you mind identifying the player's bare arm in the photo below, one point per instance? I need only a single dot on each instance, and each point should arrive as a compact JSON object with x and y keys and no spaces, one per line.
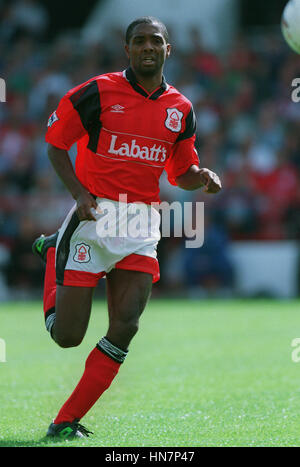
{"x":196,"y":177}
{"x":62,"y":165}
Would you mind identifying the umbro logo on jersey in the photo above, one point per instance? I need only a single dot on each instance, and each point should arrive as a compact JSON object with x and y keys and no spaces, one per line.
{"x":173,"y":120}
{"x":117,"y":108}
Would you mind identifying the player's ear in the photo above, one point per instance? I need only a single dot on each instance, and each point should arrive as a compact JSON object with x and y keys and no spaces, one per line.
{"x":126,"y":47}
{"x":168,"y":50}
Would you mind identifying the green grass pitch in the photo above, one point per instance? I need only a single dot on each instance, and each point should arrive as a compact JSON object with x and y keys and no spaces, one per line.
{"x":198,"y":373}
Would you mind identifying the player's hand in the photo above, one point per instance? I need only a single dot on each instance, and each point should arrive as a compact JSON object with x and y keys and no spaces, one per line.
{"x":86,"y":203}
{"x":211,"y":181}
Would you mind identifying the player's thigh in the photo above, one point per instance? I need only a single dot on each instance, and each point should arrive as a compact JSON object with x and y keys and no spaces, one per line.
{"x":73,"y":309}
{"x":127,"y":294}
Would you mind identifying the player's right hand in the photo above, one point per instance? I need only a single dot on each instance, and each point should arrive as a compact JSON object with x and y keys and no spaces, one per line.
{"x":85,"y":203}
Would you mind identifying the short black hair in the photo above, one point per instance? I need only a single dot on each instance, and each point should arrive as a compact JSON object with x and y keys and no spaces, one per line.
{"x":146,"y":20}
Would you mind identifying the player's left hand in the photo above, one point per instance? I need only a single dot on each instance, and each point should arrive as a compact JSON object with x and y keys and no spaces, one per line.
{"x":211,"y":181}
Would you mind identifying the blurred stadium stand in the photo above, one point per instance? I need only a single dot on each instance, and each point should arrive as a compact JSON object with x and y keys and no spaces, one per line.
{"x":239,"y":80}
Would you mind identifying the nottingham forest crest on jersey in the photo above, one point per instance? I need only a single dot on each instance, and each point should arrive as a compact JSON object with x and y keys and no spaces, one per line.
{"x":173,"y":120}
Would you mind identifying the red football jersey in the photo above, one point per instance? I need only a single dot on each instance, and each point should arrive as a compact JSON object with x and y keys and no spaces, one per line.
{"x":125,"y":136}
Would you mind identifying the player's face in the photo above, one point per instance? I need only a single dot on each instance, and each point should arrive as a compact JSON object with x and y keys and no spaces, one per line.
{"x":147,"y":49}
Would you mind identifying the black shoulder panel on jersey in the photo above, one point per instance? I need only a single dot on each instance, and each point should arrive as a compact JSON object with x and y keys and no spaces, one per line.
{"x":87,"y":103}
{"x":190,"y":126}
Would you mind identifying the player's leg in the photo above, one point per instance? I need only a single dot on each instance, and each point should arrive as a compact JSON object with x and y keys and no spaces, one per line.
{"x":128,"y":292}
{"x":68,"y":287}
{"x":66,"y":308}
{"x":127,"y":295}
{"x":72,"y":314}
{"x":45,"y":248}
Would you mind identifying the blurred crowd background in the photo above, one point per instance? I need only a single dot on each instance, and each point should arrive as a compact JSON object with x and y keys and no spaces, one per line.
{"x":248,"y":132}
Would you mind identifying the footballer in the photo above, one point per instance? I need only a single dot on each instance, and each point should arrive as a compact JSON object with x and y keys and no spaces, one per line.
{"x":129,"y":127}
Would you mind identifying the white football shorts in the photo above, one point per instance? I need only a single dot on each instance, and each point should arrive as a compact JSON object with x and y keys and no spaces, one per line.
{"x":124,"y":236}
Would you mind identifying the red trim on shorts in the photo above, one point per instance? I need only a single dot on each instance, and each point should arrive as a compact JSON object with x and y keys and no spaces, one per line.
{"x":81,"y":278}
{"x":140,"y":263}
{"x":131,"y":263}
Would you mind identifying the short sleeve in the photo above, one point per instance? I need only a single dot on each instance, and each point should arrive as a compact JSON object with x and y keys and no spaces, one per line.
{"x":74,"y":116}
{"x":184,"y":153}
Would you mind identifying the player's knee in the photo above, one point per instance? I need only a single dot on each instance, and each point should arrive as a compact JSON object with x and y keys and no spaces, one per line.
{"x":66,"y":341}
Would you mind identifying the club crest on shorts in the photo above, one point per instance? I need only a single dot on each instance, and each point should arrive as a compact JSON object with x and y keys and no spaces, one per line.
{"x":173,"y":120}
{"x":82,"y":253}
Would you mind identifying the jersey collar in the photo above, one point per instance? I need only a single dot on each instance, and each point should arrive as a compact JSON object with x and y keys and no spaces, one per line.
{"x":131,"y":78}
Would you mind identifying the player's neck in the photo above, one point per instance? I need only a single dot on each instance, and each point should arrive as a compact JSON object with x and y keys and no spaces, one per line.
{"x":149,"y":83}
